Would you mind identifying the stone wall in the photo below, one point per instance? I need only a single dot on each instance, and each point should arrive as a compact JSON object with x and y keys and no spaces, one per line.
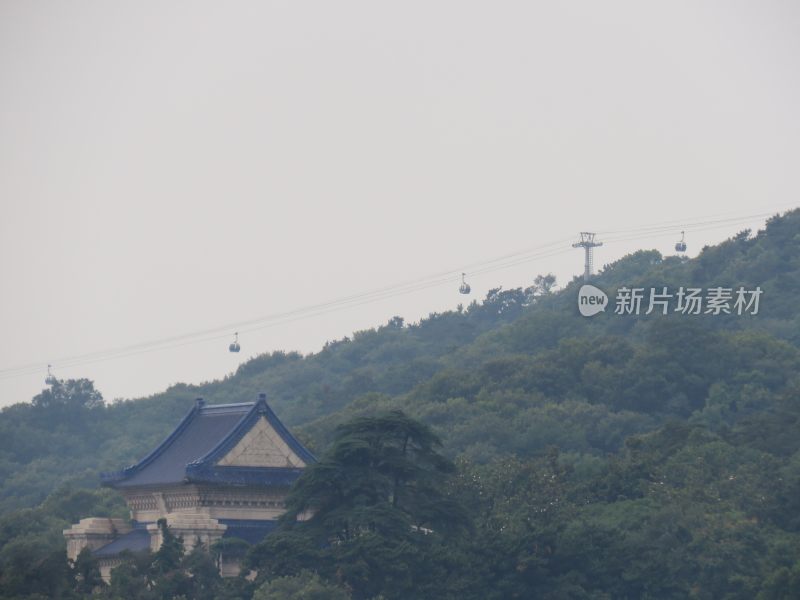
{"x":93,"y":533}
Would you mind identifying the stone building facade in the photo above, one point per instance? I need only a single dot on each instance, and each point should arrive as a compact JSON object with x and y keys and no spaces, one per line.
{"x":224,"y":472}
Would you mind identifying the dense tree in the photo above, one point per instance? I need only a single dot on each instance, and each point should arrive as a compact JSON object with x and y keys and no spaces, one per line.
{"x":543,"y":284}
{"x":677,"y":472}
{"x":382,"y":474}
{"x":369,"y":511}
{"x":70,"y":394}
{"x":86,"y":573}
{"x":303,"y":586}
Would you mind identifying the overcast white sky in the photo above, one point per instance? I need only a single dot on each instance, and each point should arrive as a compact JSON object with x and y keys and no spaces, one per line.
{"x":169,"y":167}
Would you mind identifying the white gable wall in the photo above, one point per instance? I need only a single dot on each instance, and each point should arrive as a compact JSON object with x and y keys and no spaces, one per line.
{"x":261,"y":447}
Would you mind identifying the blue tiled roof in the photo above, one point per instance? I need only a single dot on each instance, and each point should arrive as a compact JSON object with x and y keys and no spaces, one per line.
{"x":203,"y":437}
{"x":251,"y":532}
{"x":135,"y":541}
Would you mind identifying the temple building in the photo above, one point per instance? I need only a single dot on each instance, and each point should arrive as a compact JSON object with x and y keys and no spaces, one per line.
{"x":224,"y":472}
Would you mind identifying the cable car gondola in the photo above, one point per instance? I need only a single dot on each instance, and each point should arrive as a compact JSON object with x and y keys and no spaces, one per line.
{"x":234,"y":347}
{"x":464,"y":287}
{"x":50,"y":379}
{"x":681,"y":245}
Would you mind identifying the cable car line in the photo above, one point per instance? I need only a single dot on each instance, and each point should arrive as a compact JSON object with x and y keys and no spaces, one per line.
{"x":715,"y":218}
{"x":378,"y":294}
{"x":443,"y":277}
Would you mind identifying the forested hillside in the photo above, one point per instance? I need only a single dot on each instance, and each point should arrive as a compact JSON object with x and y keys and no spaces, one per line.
{"x":68,"y":435}
{"x":617,"y":456}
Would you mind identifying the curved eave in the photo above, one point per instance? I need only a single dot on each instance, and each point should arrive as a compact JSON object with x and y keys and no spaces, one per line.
{"x":111,"y":479}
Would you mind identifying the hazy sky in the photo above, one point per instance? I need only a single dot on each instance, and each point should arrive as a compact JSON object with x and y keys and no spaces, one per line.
{"x":170,"y":167}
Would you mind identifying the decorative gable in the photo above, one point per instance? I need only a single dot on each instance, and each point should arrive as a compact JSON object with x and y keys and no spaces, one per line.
{"x":261,"y":446}
{"x":223,"y":444}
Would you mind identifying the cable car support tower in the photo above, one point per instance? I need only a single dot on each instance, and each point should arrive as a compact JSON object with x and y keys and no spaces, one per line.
{"x":588,"y":244}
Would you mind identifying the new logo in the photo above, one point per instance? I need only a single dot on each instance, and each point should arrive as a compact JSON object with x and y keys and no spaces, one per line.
{"x":591,"y":300}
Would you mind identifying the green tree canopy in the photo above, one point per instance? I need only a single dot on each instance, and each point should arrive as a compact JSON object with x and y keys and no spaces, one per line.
{"x":304,"y":586}
{"x":381,"y":474}
{"x":69,"y":394}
